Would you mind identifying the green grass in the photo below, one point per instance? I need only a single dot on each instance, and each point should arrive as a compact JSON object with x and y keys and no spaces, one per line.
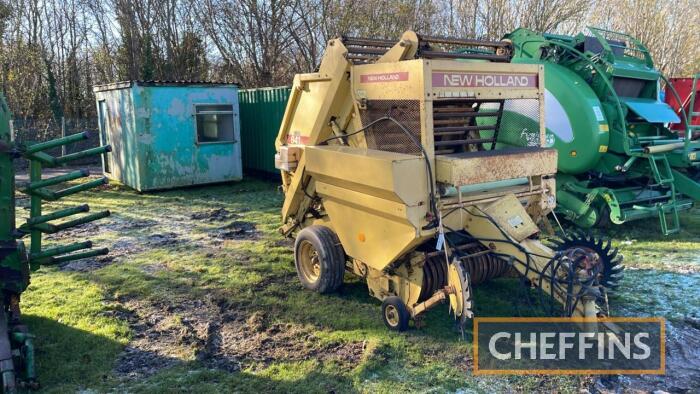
{"x":79,"y":317}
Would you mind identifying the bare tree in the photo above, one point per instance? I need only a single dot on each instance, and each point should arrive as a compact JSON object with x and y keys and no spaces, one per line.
{"x":670,"y":30}
{"x":53,"y":51}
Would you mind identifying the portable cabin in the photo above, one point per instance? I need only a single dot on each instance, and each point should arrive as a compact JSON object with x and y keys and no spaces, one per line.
{"x":167,"y":134}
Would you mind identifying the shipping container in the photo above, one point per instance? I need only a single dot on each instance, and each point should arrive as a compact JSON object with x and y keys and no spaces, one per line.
{"x":170,"y":134}
{"x":262,"y":111}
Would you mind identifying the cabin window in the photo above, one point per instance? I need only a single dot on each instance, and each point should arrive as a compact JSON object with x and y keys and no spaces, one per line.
{"x":214,"y":123}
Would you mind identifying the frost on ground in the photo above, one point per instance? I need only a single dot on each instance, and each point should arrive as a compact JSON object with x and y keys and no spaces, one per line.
{"x":204,"y":282}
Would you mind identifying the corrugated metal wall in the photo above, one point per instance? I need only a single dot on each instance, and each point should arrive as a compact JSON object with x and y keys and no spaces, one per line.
{"x":261,"y":114}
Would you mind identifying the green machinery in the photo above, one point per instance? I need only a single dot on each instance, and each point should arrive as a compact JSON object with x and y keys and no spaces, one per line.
{"x":17,"y":261}
{"x":618,"y":160}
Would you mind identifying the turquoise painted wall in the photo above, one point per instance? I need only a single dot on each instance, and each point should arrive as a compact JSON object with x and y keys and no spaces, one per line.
{"x":153,"y":132}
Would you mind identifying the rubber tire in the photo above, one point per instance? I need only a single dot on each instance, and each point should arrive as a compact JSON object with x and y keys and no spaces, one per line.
{"x":404,"y":316}
{"x":332,"y":258}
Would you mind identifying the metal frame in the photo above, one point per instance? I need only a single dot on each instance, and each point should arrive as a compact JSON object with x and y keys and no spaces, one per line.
{"x":195,"y":114}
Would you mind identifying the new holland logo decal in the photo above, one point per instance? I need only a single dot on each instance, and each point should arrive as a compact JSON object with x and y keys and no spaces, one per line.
{"x":384,"y":77}
{"x":481,"y":80}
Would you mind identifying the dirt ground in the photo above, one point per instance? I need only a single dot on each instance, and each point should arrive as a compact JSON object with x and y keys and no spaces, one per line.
{"x":202,"y":284}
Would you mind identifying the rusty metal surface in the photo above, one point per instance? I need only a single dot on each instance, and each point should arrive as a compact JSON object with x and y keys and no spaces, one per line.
{"x":491,"y":166}
{"x":153,"y":132}
{"x":128,"y":84}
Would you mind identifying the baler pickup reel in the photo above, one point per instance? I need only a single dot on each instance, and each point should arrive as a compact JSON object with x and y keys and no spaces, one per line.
{"x":369,"y":50}
{"x":16,"y":261}
{"x":395,"y":168}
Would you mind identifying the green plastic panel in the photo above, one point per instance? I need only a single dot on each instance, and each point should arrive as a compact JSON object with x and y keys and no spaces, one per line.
{"x":653,"y":111}
{"x":262,"y":111}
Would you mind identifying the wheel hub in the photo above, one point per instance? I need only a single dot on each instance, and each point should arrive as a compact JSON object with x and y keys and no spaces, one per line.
{"x":600,"y":257}
{"x":310,"y":261}
{"x":391,"y":315}
{"x":592,"y":264}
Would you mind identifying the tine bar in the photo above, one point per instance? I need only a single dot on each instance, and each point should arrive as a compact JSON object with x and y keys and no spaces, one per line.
{"x":377,"y":42}
{"x":366,"y":50}
{"x":463,"y":128}
{"x":463,"y":142}
{"x":447,"y":115}
{"x":464,"y":42}
{"x":451,"y":55}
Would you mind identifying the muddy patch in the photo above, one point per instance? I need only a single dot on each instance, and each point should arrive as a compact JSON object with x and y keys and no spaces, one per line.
{"x":215,"y":215}
{"x":87,"y":265}
{"x":113,"y":223}
{"x":682,"y":367}
{"x":83,"y":231}
{"x":121,"y":224}
{"x":125,"y":246}
{"x":284,"y":243}
{"x":237,"y":230}
{"x":217,"y":336}
{"x":162,"y":239}
{"x":120,"y":249}
{"x":252,"y":338}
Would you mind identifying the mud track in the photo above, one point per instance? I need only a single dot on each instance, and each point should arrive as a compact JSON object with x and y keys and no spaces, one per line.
{"x":219,"y":336}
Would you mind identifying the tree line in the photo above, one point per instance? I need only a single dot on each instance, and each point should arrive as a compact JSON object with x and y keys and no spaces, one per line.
{"x":53,"y":51}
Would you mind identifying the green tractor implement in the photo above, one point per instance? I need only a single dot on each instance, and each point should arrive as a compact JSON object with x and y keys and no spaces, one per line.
{"x":618,"y":159}
{"x":16,"y":260}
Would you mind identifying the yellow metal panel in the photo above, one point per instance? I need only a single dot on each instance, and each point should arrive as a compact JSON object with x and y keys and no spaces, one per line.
{"x":375,"y":239}
{"x":383,"y":207}
{"x":393,"y":176}
{"x":510,"y":215}
{"x":372,"y":198}
{"x":389,"y":81}
{"x":293,"y":192}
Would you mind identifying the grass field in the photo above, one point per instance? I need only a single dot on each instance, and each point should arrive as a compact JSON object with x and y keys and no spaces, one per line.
{"x":199,"y":294}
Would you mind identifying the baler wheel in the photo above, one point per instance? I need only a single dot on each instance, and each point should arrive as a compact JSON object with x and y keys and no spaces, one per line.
{"x":395,"y":314}
{"x":319,"y":259}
